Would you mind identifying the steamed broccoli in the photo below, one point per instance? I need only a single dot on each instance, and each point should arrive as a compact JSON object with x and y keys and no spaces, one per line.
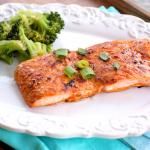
{"x":46,"y":28}
{"x":28,"y":33}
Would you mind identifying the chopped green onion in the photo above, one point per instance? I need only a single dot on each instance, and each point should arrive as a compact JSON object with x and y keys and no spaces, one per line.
{"x":61,"y":53}
{"x":87,"y":73}
{"x":116,"y":65}
{"x":82,"y":64}
{"x":82,"y":51}
{"x":70,"y":71}
{"x":104,"y":56}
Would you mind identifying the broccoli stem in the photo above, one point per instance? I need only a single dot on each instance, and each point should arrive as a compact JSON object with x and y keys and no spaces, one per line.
{"x":27,"y":42}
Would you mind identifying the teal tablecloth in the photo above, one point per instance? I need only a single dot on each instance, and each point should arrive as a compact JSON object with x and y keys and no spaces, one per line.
{"x":28,"y":142}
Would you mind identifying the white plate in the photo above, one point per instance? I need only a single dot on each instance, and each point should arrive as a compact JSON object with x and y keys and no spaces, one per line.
{"x":110,"y":115}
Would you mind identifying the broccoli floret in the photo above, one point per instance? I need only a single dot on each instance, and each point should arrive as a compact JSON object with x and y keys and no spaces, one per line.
{"x":29,"y":34}
{"x":14,"y":32}
{"x":5,"y":28}
{"x":7,"y":47}
{"x":45,"y":27}
{"x":55,"y":25}
{"x":34,"y":48}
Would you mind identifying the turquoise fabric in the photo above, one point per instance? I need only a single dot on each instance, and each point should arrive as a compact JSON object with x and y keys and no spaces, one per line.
{"x":28,"y":142}
{"x":111,"y":9}
{"x":21,"y":141}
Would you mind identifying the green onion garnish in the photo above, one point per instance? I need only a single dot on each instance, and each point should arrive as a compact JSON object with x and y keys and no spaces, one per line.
{"x":87,"y":73}
{"x":61,"y":53}
{"x":104,"y":56}
{"x":70,"y":71}
{"x":116,"y":65}
{"x":82,"y":64}
{"x":82,"y":51}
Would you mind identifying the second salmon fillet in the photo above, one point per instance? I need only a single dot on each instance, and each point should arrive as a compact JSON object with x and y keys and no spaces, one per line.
{"x":42,"y":80}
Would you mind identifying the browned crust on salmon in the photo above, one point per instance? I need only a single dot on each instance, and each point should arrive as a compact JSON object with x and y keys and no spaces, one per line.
{"x":42,"y":81}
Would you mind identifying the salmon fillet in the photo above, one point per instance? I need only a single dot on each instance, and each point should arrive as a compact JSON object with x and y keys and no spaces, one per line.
{"x":42,"y":81}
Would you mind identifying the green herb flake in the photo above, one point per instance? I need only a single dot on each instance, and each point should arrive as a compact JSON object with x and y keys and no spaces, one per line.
{"x":70,"y":71}
{"x":87,"y":73}
{"x":61,"y":53}
{"x":104,"y":56}
{"x":82,"y":51}
{"x":82,"y":64}
{"x":116,"y":65}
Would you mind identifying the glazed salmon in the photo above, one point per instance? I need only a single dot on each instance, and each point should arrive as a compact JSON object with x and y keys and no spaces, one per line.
{"x":42,"y":80}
